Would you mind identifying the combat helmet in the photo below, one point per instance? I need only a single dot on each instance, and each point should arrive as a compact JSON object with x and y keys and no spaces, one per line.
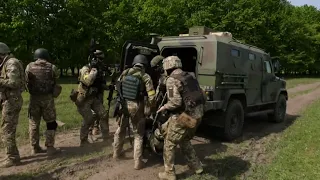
{"x":155,"y":61}
{"x":99,"y":54}
{"x":171,"y":62}
{"x":4,"y":49}
{"x":41,"y":53}
{"x":140,"y":59}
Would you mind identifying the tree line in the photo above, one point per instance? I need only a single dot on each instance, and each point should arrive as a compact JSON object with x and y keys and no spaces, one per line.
{"x":65,"y":27}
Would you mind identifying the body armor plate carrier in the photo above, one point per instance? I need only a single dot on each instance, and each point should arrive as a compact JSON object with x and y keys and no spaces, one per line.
{"x":191,"y":93}
{"x":131,"y":87}
{"x":41,"y":79}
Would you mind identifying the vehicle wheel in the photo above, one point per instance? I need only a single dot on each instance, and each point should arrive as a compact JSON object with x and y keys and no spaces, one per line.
{"x":280,"y":110}
{"x":234,"y":119}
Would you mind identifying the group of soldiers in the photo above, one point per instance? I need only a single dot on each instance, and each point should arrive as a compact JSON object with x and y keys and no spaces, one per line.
{"x":184,"y":104}
{"x":39,"y":79}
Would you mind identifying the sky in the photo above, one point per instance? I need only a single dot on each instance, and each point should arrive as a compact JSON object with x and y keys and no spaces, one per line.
{"x":315,"y":3}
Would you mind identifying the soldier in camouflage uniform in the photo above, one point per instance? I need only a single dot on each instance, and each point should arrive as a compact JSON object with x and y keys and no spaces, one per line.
{"x":184,"y":95}
{"x":92,"y":84}
{"x":156,"y":64}
{"x":12,"y":84}
{"x":41,"y":78}
{"x":95,"y":127}
{"x":134,"y":94}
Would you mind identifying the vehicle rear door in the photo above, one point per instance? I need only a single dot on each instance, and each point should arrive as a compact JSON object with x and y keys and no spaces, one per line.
{"x":132,"y":48}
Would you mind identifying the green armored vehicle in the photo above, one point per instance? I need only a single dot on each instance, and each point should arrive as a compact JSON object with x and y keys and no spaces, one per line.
{"x":239,"y":79}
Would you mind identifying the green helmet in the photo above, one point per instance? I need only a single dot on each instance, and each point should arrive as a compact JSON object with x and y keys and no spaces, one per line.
{"x":41,"y":53}
{"x":172,"y":62}
{"x":4,"y":49}
{"x":140,"y":59}
{"x":155,"y":61}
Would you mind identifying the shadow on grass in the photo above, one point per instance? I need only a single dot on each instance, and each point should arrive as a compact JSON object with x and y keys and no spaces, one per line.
{"x":225,"y":168}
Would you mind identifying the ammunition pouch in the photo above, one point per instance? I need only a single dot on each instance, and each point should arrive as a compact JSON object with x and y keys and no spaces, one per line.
{"x":56,"y":90}
{"x":81,"y":97}
{"x":74,"y":95}
{"x":187,"y":121}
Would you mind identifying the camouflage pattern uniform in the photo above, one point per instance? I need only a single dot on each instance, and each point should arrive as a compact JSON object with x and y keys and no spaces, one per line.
{"x":137,"y":115}
{"x":12,"y":84}
{"x":174,"y":133}
{"x":41,"y":106}
{"x":89,"y":101}
{"x":95,"y":127}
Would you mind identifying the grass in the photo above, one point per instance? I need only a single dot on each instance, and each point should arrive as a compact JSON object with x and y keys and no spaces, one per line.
{"x":66,"y":111}
{"x":297,"y":154}
{"x":297,"y":81}
{"x":302,"y":92}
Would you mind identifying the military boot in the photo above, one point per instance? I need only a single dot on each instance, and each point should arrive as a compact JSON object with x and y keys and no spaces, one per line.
{"x":50,"y":140}
{"x":37,"y":149}
{"x":9,"y":163}
{"x":167,"y":176}
{"x":138,"y":165}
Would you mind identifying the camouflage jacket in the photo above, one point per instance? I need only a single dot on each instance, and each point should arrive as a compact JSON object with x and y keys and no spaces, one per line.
{"x":146,"y":79}
{"x":12,"y":78}
{"x":175,"y":101}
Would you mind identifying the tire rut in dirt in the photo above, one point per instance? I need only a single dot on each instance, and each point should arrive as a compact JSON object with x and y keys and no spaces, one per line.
{"x":245,"y":152}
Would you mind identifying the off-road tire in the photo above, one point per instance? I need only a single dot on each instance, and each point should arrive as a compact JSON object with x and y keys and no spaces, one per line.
{"x":234,"y":119}
{"x":280,"y":108}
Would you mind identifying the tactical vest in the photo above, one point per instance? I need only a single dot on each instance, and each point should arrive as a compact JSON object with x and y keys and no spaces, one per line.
{"x":131,"y":85}
{"x":41,"y":80}
{"x":100,"y":80}
{"x":191,"y":92}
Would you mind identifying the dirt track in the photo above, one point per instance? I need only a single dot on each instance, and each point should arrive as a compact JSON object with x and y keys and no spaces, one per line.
{"x":245,"y":152}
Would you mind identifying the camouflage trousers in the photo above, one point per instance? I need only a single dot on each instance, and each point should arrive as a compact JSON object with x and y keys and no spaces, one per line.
{"x":96,"y":120}
{"x":138,"y":126}
{"x":85,"y":109}
{"x":41,"y":107}
{"x":175,"y":135}
{"x":10,"y":116}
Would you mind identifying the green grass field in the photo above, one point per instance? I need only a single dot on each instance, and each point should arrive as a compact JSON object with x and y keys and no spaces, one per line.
{"x":297,"y":154}
{"x":296,"y":81}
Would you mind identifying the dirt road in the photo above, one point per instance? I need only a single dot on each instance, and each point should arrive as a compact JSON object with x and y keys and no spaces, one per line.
{"x":232,"y":159}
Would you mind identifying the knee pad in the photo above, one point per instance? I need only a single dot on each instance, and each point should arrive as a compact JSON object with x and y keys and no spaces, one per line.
{"x":52,"y":125}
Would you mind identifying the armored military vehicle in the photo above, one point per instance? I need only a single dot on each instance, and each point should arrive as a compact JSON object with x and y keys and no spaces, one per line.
{"x":239,"y":79}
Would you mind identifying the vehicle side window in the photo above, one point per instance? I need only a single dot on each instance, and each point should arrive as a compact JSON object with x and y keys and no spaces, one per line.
{"x":235,"y":52}
{"x":252,"y":56}
{"x":268,"y":66}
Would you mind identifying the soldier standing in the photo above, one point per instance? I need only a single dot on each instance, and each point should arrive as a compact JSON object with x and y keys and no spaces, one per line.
{"x":12,"y":84}
{"x":92,"y":84}
{"x":160,"y":77}
{"x":185,"y":104}
{"x":135,"y":84}
{"x":41,"y":78}
{"x":95,"y":127}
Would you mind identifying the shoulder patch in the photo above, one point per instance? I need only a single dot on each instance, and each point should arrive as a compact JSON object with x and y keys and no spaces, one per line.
{"x":170,"y":92}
